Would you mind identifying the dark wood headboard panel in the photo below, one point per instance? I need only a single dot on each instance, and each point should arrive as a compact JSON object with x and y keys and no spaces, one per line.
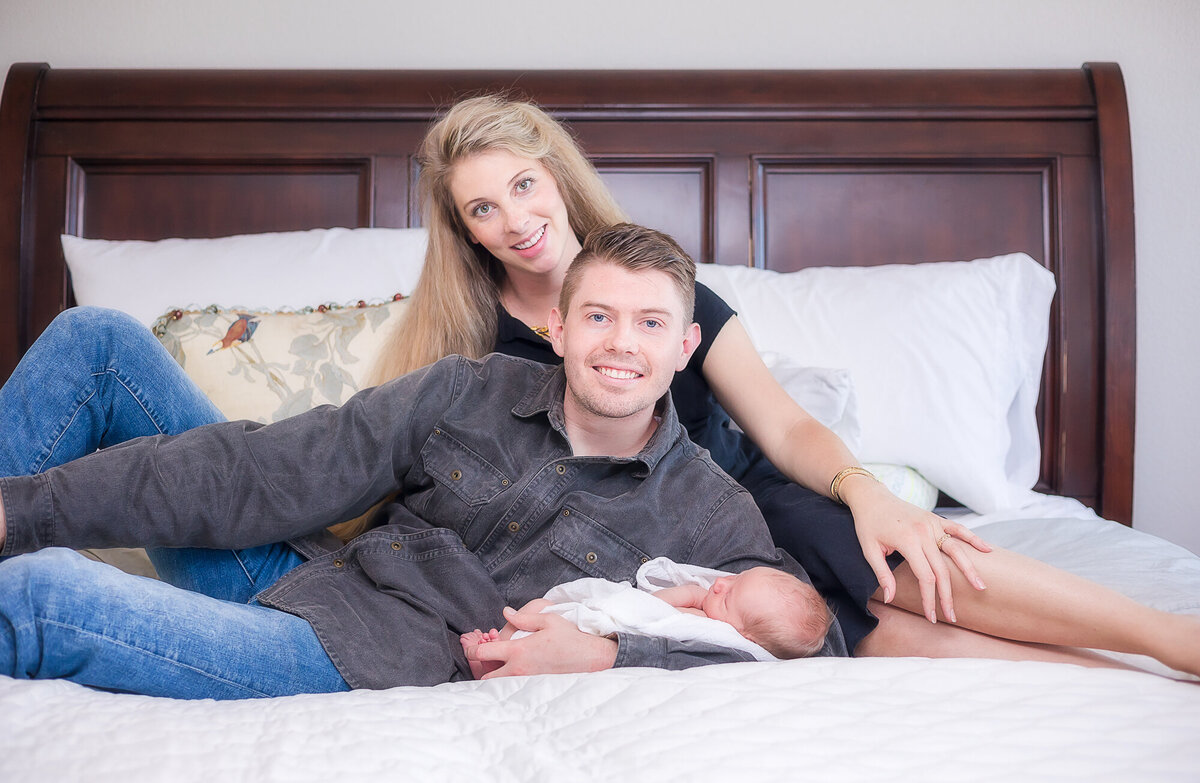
{"x":779,"y":169}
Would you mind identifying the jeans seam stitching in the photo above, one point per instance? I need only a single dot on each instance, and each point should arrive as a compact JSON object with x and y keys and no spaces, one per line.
{"x":136,"y":395}
{"x":126,"y":645}
{"x":237,"y":555}
{"x":37,"y":468}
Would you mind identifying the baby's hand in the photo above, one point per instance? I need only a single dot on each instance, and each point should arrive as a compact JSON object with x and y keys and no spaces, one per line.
{"x":472,"y":641}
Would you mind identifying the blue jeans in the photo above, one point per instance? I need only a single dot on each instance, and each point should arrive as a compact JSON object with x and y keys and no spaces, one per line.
{"x":68,"y":617}
{"x":96,"y":378}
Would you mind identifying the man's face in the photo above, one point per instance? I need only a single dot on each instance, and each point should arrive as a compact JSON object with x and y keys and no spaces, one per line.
{"x":622,"y":342}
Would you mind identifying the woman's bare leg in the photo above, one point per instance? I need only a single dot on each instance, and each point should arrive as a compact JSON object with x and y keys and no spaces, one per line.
{"x":1029,"y":601}
{"x":902,"y":633}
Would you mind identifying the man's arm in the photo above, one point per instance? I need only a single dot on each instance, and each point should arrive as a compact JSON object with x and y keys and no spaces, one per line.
{"x":233,"y":484}
{"x":734,"y":538}
{"x":555,"y":646}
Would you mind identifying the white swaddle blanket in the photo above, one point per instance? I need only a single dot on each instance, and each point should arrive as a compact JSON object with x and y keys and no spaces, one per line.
{"x":601,"y":607}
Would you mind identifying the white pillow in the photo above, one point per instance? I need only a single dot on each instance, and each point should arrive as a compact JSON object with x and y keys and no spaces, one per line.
{"x":826,"y":393}
{"x":906,"y":484}
{"x":254,"y":271}
{"x":946,"y":359}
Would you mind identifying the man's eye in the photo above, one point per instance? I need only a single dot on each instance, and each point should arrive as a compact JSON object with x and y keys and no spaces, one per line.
{"x":653,"y":324}
{"x":596,"y":318}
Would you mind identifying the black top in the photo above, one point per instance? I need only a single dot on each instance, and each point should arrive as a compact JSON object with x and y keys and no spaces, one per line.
{"x":706,"y":421}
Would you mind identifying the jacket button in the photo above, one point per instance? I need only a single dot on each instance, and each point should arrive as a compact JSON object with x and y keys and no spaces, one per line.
{"x":397,"y":545}
{"x":455,"y":475}
{"x":566,"y":512}
{"x":339,"y":563}
{"x":591,"y":557}
{"x":560,"y":469}
{"x":514,"y":526}
{"x":645,"y":560}
{"x":504,"y":483}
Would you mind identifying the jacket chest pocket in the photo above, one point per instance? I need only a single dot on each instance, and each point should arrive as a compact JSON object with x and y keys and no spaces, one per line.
{"x":454,"y":467}
{"x":594,"y":549}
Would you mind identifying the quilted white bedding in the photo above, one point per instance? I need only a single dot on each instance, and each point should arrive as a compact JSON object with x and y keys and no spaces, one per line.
{"x":852,"y":720}
{"x":863,"y":719}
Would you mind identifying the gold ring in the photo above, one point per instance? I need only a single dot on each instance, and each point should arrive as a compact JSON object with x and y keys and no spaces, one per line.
{"x":942,"y":540}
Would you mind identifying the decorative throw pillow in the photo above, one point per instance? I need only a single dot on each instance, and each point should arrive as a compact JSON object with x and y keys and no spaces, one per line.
{"x":826,"y":393}
{"x":267,"y":366}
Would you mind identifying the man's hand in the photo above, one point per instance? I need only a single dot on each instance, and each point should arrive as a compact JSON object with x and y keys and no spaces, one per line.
{"x":929,"y":543}
{"x":556,"y":646}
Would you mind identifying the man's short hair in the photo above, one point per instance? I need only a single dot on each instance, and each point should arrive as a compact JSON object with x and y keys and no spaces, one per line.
{"x":635,"y":248}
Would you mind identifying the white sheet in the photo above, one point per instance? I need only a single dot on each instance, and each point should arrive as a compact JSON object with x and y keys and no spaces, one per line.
{"x":849,"y":720}
{"x":900,"y":719}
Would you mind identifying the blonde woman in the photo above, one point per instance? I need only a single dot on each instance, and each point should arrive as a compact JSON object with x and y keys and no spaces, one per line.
{"x":507,"y":198}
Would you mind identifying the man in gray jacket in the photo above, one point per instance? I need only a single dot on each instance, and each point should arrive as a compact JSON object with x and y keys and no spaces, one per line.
{"x":510,"y":477}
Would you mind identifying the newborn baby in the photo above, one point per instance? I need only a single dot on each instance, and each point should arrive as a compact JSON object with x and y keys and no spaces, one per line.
{"x":764,"y":611}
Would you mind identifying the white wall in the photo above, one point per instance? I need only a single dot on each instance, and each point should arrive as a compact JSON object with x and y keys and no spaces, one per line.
{"x":1153,"y":40}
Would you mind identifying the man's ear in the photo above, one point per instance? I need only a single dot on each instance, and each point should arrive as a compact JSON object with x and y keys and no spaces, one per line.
{"x":691,"y":341}
{"x":555,"y":326}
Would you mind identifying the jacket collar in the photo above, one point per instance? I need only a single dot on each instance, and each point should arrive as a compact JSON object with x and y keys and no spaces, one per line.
{"x":546,"y":397}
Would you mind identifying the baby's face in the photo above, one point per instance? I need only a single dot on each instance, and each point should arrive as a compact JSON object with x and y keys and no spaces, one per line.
{"x":732,"y":597}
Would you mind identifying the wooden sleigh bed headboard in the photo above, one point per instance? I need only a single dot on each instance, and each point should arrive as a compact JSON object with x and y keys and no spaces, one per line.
{"x":777,"y":169}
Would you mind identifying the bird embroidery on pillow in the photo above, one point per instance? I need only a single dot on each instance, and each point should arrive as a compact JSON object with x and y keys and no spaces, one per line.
{"x":240,"y":331}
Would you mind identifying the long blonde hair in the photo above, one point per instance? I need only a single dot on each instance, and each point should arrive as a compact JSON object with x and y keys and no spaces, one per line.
{"x":453,"y":308}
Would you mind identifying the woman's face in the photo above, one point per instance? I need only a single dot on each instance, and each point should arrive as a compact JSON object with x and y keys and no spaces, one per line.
{"x":511,"y":206}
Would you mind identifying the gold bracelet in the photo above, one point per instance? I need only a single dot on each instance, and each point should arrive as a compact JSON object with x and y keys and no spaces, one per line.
{"x":836,"y":485}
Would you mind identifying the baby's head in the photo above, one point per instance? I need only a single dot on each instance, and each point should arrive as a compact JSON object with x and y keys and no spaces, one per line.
{"x":777,"y":611}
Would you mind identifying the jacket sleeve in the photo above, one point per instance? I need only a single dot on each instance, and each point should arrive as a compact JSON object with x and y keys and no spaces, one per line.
{"x":660,"y":653}
{"x":234,"y":484}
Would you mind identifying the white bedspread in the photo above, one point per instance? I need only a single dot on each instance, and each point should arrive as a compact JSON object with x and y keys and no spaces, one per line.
{"x":852,"y":720}
{"x":893,"y":720}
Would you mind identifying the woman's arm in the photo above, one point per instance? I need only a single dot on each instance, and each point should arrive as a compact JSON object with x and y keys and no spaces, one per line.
{"x":810,"y":454}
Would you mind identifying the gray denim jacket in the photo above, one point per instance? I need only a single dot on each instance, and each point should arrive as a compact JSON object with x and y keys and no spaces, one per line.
{"x":479,"y":458}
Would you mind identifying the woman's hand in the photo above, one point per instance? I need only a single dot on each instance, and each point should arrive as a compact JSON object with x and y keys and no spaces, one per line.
{"x":810,"y":454}
{"x":929,"y":543}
